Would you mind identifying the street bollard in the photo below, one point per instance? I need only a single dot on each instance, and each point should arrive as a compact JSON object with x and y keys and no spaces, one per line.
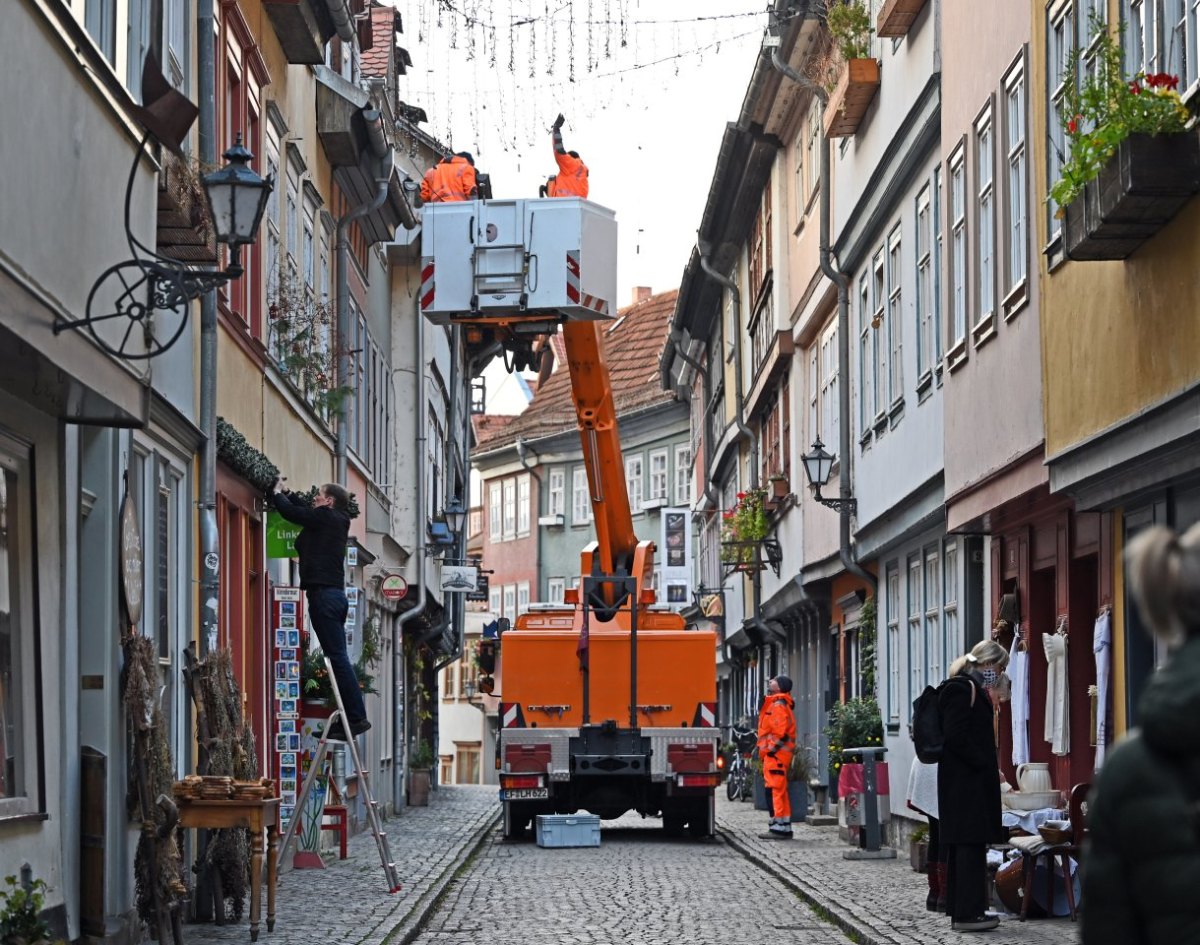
{"x":874,"y":849}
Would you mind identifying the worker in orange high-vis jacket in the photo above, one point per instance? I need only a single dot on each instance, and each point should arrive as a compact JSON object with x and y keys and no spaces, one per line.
{"x":453,"y":178}
{"x":572,"y":177}
{"x":776,"y":744}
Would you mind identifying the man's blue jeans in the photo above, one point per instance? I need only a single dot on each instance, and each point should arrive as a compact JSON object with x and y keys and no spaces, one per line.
{"x":327,"y":609}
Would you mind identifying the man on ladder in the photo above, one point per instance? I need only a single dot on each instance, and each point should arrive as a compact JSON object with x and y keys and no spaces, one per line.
{"x":321,"y":547}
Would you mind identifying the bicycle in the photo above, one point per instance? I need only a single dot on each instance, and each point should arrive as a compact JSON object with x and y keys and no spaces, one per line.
{"x":739,"y":783}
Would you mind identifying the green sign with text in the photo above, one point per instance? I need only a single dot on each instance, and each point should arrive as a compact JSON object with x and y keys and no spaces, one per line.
{"x":281,"y":536}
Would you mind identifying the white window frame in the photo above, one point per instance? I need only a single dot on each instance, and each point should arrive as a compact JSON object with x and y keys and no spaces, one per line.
{"x":556,"y":588}
{"x":683,"y":475}
{"x":895,"y":317}
{"x":522,"y":597}
{"x":985,"y":219}
{"x":916,"y":650}
{"x":581,"y":499}
{"x":950,"y":585}
{"x":495,"y":512}
{"x":881,"y":350}
{"x":523,"y":503}
{"x":660,"y":474}
{"x":828,"y":397}
{"x":494,"y":602}
{"x":1060,"y":42}
{"x":557,"y":502}
{"x":934,"y":647}
{"x":866,"y":358}
{"x":510,"y":602}
{"x":16,"y":460}
{"x":1016,"y":222}
{"x":634,"y":481}
{"x":924,"y":294}
{"x":958,"y":250}
{"x":510,"y":508}
{"x":892,"y":617}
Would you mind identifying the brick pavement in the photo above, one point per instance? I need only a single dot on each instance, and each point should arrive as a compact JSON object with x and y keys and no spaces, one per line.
{"x":348,"y":904}
{"x":880,"y":901}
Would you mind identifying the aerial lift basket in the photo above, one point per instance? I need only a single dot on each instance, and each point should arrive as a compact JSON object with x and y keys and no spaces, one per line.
{"x":505,"y":258}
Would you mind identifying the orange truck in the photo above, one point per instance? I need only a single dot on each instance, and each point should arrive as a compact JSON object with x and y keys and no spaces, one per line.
{"x":608,"y":702}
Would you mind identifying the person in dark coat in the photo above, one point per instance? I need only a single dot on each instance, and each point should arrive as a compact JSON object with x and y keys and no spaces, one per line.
{"x":968,"y":791}
{"x":1141,"y":856}
{"x":321,"y":548}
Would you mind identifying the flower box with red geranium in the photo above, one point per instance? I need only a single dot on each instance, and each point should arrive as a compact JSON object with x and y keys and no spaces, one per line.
{"x":1133,"y":163}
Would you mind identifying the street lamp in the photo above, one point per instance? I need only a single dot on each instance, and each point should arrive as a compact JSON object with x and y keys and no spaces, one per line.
{"x":151,"y":287}
{"x":237,"y":199}
{"x":818,"y":465}
{"x":456,"y":515}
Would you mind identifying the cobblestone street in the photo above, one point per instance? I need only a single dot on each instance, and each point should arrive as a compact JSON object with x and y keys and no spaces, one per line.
{"x":637,"y":888}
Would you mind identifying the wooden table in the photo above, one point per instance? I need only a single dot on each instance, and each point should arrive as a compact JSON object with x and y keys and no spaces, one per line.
{"x":256,"y":816}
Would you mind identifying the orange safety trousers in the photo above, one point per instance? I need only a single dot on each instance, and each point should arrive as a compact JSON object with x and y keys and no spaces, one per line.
{"x":775,"y":781}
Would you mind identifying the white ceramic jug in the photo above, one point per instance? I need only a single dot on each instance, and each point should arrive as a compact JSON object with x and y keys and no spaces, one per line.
{"x":1034,"y":776}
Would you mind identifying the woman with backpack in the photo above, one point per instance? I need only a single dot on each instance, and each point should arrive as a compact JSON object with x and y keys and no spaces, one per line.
{"x":968,"y":789}
{"x":1141,"y":856}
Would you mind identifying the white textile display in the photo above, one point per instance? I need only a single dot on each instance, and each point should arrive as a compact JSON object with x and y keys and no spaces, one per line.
{"x":1102,"y":648}
{"x":1057,"y":729}
{"x":922,"y":788}
{"x":1018,"y":672}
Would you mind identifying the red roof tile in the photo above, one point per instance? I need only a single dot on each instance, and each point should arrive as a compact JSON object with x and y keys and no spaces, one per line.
{"x":633,"y":344}
{"x":375,"y":60}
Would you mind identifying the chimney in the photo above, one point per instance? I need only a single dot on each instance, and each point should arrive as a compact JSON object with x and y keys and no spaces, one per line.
{"x":641,"y":293}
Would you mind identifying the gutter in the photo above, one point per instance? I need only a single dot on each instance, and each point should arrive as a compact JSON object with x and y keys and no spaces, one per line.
{"x":382,"y":181}
{"x":342,"y":20}
{"x":842,"y":281}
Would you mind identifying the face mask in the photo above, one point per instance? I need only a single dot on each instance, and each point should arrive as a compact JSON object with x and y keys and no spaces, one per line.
{"x":989,"y":677}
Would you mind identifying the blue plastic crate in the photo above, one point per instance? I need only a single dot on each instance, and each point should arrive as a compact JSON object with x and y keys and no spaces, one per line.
{"x":568,"y":830}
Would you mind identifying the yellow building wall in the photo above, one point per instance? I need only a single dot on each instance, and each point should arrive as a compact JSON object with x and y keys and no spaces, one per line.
{"x":1117,"y":337}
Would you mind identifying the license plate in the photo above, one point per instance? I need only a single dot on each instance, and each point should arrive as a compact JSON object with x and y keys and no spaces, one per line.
{"x":525,"y":794}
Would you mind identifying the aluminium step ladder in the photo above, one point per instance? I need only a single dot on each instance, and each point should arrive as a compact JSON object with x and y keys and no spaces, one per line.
{"x":317,"y":766}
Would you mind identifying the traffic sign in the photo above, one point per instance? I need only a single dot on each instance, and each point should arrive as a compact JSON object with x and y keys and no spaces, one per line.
{"x":394,"y":587}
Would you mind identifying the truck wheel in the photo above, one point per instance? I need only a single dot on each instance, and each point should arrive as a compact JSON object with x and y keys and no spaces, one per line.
{"x":673,"y":824}
{"x":702,"y":822}
{"x":516,"y":818}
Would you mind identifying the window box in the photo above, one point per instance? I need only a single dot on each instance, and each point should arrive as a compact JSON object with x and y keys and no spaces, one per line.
{"x":550,"y":521}
{"x":184,"y":231}
{"x":897,"y":16}
{"x":853,"y":96}
{"x":780,"y":487}
{"x":1146,"y":182}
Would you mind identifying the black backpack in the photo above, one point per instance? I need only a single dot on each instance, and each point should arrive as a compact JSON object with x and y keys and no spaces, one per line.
{"x":926,"y":725}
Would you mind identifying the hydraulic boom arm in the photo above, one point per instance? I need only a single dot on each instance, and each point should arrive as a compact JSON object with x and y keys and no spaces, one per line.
{"x":592,"y":391}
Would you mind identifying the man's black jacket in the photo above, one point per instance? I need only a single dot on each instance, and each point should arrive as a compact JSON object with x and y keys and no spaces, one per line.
{"x":321,"y":543}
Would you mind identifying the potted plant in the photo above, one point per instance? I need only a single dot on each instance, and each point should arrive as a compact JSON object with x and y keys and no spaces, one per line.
{"x":21,"y":913}
{"x":780,"y":487}
{"x":856,"y":723}
{"x":1131,"y":165}
{"x":852,"y":87}
{"x":420,"y":764}
{"x":918,"y":848}
{"x":316,"y":687}
{"x":743,"y":529}
{"x":800,"y":772}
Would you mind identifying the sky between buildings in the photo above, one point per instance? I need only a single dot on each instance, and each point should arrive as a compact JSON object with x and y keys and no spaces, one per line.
{"x":646,"y":86}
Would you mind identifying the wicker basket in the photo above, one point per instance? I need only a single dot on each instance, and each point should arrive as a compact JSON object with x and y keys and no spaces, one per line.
{"x":1055,"y":835}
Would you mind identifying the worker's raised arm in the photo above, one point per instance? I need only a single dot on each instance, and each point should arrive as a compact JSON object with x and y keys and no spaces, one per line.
{"x":557,"y":132}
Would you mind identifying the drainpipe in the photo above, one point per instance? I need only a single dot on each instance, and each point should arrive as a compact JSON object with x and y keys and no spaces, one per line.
{"x":710,"y":494}
{"x":398,"y":740}
{"x":842,"y":281}
{"x":210,"y":561}
{"x":382,"y":179}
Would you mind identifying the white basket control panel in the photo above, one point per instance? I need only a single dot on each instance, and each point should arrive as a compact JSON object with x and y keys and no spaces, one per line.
{"x":550,"y":255}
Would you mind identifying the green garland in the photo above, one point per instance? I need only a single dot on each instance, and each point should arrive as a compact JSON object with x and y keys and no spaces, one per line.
{"x":868,"y":643}
{"x":244,"y":459}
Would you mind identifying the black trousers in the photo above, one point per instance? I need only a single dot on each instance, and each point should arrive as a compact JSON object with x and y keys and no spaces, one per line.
{"x":327,"y":609}
{"x":966,"y":873}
